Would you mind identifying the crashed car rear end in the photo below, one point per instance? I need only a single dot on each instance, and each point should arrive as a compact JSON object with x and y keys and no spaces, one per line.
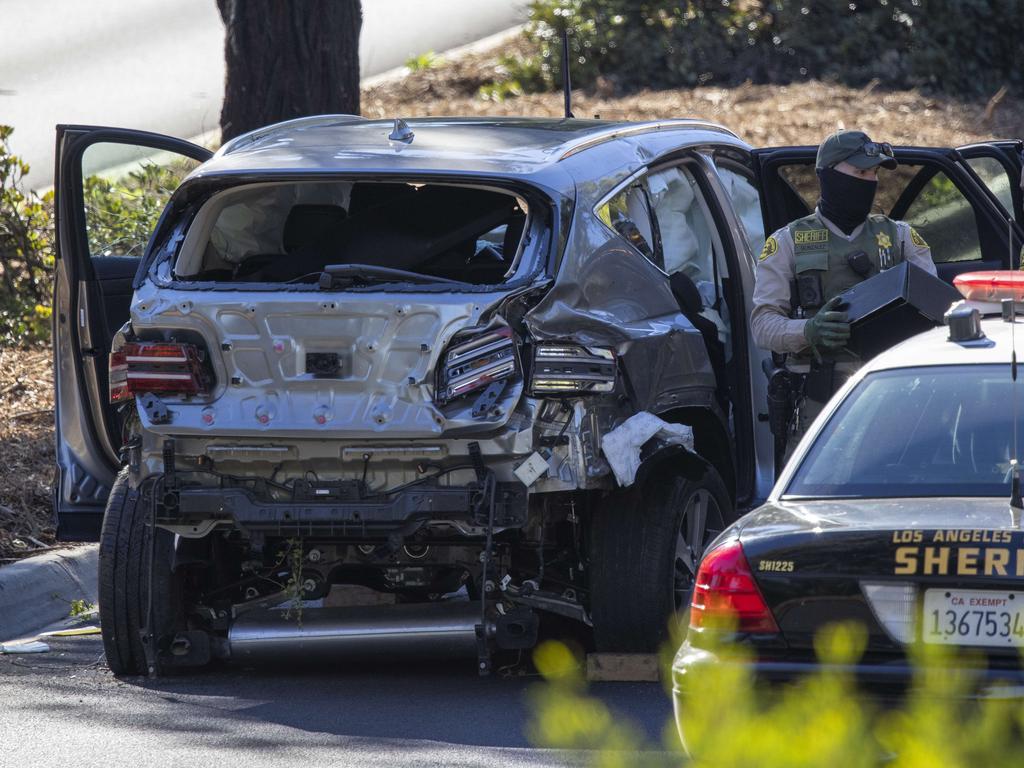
{"x":377,"y":409}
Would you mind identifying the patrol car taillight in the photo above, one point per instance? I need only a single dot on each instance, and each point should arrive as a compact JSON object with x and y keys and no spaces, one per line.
{"x":138,"y":367}
{"x":725,"y":594}
{"x":991,"y":286}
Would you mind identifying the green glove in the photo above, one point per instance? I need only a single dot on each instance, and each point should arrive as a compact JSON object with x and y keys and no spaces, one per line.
{"x":830,"y":328}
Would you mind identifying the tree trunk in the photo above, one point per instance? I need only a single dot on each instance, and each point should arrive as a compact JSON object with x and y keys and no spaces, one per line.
{"x":288,"y":59}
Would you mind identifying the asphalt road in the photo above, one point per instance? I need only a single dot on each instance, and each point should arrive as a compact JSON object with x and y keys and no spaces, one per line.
{"x":65,"y":708}
{"x":159,"y":65}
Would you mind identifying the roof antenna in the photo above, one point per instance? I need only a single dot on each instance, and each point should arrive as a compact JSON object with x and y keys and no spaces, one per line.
{"x":401,"y":132}
{"x":566,"y":78}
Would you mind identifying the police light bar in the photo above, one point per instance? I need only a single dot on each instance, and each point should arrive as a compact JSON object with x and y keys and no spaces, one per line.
{"x":993,"y":286}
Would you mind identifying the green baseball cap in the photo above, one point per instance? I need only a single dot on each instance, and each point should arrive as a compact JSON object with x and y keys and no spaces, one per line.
{"x":856,"y":148}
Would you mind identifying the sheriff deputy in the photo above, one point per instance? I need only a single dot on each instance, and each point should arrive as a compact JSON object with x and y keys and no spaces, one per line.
{"x":805,"y":266}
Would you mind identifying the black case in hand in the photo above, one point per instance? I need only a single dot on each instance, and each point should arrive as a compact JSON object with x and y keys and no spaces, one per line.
{"x":893,"y":306}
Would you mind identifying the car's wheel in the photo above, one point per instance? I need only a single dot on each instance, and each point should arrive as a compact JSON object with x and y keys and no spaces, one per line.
{"x":124,"y":579}
{"x":645,"y":548}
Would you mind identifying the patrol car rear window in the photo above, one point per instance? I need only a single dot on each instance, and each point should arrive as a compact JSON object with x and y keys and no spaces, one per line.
{"x":934,"y":431}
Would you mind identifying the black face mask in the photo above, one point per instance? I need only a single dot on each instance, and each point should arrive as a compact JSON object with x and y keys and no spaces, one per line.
{"x":845,"y":200}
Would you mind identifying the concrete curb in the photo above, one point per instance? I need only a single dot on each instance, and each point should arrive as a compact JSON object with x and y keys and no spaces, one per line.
{"x":37,"y":592}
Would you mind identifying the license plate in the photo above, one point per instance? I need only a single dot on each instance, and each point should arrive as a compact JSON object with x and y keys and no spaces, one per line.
{"x":973,"y":617}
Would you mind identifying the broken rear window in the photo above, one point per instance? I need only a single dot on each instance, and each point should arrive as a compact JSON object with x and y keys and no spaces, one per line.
{"x":289,"y":233}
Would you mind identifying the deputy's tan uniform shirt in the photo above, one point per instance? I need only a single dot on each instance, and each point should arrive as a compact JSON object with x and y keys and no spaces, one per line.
{"x":772,"y":327}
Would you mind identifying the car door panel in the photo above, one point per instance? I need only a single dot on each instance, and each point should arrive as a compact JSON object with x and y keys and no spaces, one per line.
{"x":114,"y":276}
{"x":737,"y":208}
{"x":92,"y":294}
{"x":997,"y":165}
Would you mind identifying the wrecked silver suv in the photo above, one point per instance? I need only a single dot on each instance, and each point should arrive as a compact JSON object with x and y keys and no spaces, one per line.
{"x":388,"y":384}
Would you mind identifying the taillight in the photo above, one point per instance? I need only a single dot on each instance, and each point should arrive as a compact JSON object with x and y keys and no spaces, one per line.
{"x":726,"y":595}
{"x":472,"y":364}
{"x":159,"y":367}
{"x":571,"y":369}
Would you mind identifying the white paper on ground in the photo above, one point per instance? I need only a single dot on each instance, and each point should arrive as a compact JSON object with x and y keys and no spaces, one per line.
{"x":622,"y":445}
{"x":32,"y":646}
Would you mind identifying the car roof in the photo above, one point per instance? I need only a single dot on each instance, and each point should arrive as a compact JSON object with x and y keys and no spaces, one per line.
{"x":496,"y":146}
{"x":933,"y":347}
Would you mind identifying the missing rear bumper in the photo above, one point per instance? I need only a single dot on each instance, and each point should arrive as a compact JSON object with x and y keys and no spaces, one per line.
{"x":354,"y":516}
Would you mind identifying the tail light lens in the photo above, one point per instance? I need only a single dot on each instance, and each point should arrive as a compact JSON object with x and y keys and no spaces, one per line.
{"x":473,"y":363}
{"x":726,"y":593}
{"x":571,"y":369}
{"x":160,"y":367}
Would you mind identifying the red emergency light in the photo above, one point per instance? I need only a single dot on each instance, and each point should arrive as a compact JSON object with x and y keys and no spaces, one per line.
{"x":994,"y":286}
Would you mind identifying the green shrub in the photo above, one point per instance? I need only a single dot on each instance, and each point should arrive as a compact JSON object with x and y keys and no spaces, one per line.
{"x":961,"y":46}
{"x":967,"y":45}
{"x":653,"y":44}
{"x":120,"y":214}
{"x":427,"y":60}
{"x":26,"y":252}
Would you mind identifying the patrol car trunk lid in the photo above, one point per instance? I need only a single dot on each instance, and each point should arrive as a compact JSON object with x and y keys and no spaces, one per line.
{"x":877,"y":561}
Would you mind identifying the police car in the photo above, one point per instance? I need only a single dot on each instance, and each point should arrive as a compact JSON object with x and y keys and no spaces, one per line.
{"x":899,"y":510}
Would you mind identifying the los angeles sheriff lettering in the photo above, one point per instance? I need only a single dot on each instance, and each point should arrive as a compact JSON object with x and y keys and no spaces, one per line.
{"x":949,"y":553}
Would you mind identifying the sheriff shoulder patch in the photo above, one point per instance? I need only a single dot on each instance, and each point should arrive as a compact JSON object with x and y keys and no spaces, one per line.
{"x":809,"y":236}
{"x":916,"y":239}
{"x":771,"y":245}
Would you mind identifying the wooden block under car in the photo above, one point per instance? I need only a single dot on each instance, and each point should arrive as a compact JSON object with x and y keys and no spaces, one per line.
{"x":348,"y":595}
{"x":623,"y":667}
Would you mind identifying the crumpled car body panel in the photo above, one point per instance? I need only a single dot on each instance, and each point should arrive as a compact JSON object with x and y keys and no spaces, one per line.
{"x":388,"y":348}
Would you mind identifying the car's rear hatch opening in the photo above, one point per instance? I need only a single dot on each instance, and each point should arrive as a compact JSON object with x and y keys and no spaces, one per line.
{"x":289,"y":232}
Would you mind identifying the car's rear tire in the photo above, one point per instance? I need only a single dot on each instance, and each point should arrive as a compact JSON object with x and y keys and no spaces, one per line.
{"x":645,"y":546}
{"x":124,"y":579}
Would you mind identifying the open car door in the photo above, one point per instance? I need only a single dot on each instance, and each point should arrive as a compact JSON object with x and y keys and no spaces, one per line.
{"x":111,"y":187}
{"x":998,"y":165}
{"x":939,"y":191}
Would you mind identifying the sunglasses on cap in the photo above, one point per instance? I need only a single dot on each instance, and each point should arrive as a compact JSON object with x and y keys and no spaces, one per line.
{"x":875,"y":149}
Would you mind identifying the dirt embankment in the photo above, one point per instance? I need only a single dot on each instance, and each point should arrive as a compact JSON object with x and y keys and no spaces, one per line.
{"x":762,"y":115}
{"x":26,"y":449}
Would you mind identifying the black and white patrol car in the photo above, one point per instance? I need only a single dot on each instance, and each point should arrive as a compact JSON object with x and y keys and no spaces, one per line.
{"x":896,"y":511}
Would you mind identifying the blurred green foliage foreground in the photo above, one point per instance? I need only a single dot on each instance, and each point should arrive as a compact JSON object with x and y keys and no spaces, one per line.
{"x":822,"y":721}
